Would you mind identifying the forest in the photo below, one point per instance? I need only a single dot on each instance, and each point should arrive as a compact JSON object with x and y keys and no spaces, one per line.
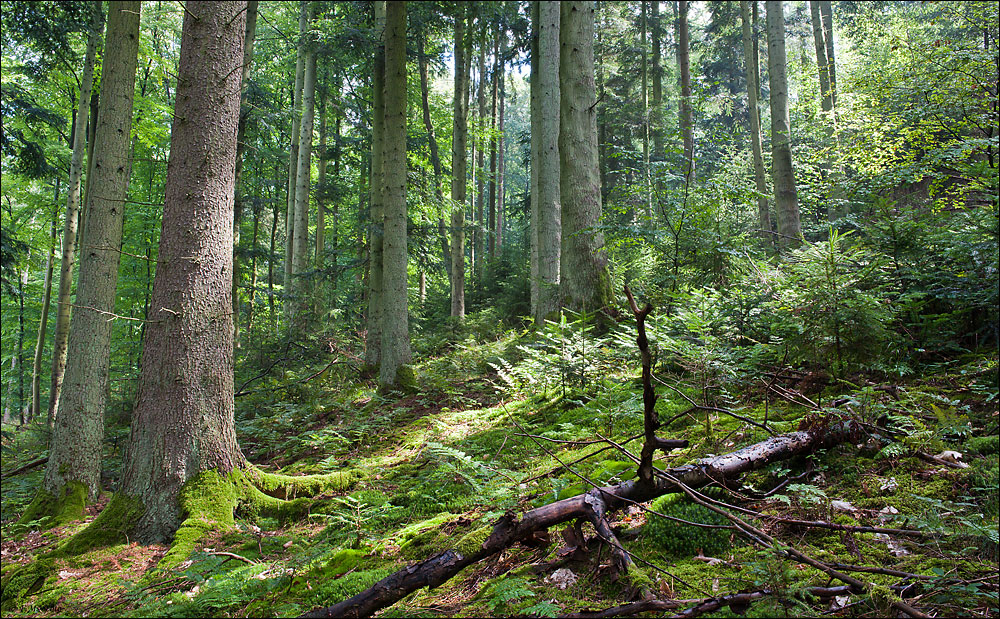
{"x":583,"y":309}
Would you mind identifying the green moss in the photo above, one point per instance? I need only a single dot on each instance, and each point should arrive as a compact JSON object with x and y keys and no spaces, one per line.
{"x":983,"y":445}
{"x":109,"y":528}
{"x":24,"y":581}
{"x":209,"y":501}
{"x":290,"y":486}
{"x":680,"y":539}
{"x":343,"y":562}
{"x":636,"y":579}
{"x":421,"y":539}
{"x":53,"y":511}
{"x":472,"y":542}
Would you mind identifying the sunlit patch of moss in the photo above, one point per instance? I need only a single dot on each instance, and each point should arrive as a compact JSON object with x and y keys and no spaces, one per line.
{"x":52,"y":511}
{"x":23,"y":581}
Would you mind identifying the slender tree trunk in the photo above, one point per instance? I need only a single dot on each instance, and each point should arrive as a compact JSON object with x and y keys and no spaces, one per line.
{"x":320,"y":247}
{"x":480,"y":164}
{"x":494,"y":86}
{"x":75,"y":455}
{"x":822,"y":63}
{"x":95,"y":104}
{"x":549,"y":204}
{"x":43,"y":323}
{"x":22,"y":406}
{"x":271,"y":256}
{"x":584,"y":279}
{"x":501,"y":164}
{"x":395,"y":323}
{"x":376,"y":210}
{"x":63,"y":301}
{"x":300,"y":236}
{"x":337,"y":153}
{"x":293,"y":148}
{"x":432,"y":141}
{"x":656,"y":30}
{"x":459,"y":167}
{"x":183,"y":421}
{"x":753,"y":94}
{"x":248,"y":40}
{"x":647,"y":186}
{"x":684,"y":65}
{"x":826,"y":10}
{"x":785,"y":196}
{"x":535,"y":136}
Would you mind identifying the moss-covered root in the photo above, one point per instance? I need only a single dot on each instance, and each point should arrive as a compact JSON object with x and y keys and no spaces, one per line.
{"x":50,"y":510}
{"x":23,"y":581}
{"x":211,"y":499}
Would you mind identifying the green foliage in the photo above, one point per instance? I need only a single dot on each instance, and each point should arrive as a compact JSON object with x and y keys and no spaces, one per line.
{"x":684,"y":540}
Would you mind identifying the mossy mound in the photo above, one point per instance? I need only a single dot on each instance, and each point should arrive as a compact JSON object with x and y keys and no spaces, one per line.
{"x":683,"y":540}
{"x":53,"y":511}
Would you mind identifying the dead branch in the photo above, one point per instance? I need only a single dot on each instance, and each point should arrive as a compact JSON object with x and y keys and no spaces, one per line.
{"x":27,"y":467}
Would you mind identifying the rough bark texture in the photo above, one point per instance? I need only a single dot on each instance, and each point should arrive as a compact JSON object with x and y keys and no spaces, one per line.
{"x":459,"y":168}
{"x":584,"y":279}
{"x":549,"y":204}
{"x":510,"y":529}
{"x":63,"y":307}
{"x":753,"y":94}
{"x":79,"y":426}
{"x":248,"y":41}
{"x":822,"y":62}
{"x":826,"y":10}
{"x":300,"y":236}
{"x":785,"y":196}
{"x":373,"y":339}
{"x":183,"y":420}
{"x":293,"y":146}
{"x":395,"y":324}
{"x":684,"y":64}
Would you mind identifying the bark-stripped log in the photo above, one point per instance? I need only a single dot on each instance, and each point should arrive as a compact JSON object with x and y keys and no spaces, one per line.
{"x":508,"y":530}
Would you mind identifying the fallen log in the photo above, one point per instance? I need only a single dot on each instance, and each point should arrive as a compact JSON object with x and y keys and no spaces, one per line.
{"x":591,"y":505}
{"x":27,"y":467}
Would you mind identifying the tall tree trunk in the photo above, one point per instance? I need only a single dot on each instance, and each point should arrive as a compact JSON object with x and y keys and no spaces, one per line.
{"x":183,"y":421}
{"x":656,"y":30}
{"x":376,"y":210}
{"x":432,"y":141}
{"x":492,"y":216}
{"x":22,"y":406}
{"x":647,"y":186}
{"x":300,"y":237}
{"x":785,"y":196}
{"x":548,"y":136}
{"x":501,"y":164}
{"x":293,"y":148}
{"x":584,"y":279}
{"x":320,"y":247}
{"x":43,"y":323}
{"x":73,"y":472}
{"x":534,"y":137}
{"x":753,"y":95}
{"x":395,"y":323}
{"x":826,"y":10}
{"x":248,"y":40}
{"x":480,"y":163}
{"x":684,"y":65}
{"x":271,"y":257}
{"x":63,"y":301}
{"x":822,"y":62}
{"x":459,"y":166}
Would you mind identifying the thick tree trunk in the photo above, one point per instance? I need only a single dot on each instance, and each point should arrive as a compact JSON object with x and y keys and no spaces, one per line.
{"x":592,"y":505}
{"x":79,"y":426}
{"x":300,"y":236}
{"x":64,"y":300}
{"x":395,"y":323}
{"x":753,"y":94}
{"x":549,"y":201}
{"x":535,"y":112}
{"x":459,"y":167}
{"x":785,"y":196}
{"x":183,"y":420}
{"x":684,"y":65}
{"x":584,"y":279}
{"x":248,"y":41}
{"x":373,"y":338}
{"x":43,"y":323}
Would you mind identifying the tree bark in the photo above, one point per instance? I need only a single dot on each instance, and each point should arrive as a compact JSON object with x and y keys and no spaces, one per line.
{"x":647,"y":186}
{"x":753,"y":95}
{"x":79,"y":426}
{"x":43,"y":323}
{"x":248,"y":41}
{"x":300,"y":237}
{"x":480,"y":164}
{"x":373,"y":339}
{"x":293,"y":149}
{"x":684,"y":65}
{"x":63,"y":301}
{"x":657,"y":95}
{"x":535,"y":112}
{"x":785,"y":196}
{"x":492,"y":214}
{"x":549,"y":201}
{"x":459,"y":168}
{"x":183,"y":421}
{"x":822,"y":62}
{"x":585,"y":283}
{"x":826,"y":10}
{"x":395,"y":323}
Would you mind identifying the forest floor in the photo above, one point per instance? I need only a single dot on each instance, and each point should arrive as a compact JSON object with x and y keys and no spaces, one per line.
{"x":493,"y":422}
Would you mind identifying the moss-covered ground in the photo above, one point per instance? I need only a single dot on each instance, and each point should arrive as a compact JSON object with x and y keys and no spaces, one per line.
{"x":485,"y":431}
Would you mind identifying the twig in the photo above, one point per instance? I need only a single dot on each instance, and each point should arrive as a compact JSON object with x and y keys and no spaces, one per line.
{"x":26,"y":467}
{"x":231,"y":555}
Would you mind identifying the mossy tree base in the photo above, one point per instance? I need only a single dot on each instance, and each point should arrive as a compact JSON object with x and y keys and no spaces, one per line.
{"x":49,"y":510}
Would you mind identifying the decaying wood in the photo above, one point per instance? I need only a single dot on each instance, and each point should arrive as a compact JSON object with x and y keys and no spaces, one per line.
{"x":27,"y":467}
